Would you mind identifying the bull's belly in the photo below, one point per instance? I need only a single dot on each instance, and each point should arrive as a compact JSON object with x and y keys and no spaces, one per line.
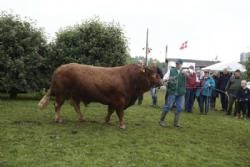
{"x":88,"y":98}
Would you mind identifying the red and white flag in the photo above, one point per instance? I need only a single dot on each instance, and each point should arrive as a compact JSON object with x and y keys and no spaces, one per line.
{"x":148,"y":50}
{"x":184,"y":45}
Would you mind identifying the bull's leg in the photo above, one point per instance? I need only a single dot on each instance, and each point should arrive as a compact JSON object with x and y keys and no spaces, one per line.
{"x":58,"y":103}
{"x":110,"y":112}
{"x":120,"y":115}
{"x":76,"y":105}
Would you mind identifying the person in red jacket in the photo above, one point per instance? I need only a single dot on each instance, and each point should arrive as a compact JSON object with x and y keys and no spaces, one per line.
{"x":191,"y":83}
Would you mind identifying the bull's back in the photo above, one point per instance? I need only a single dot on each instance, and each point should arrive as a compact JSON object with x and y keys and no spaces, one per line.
{"x":89,"y":83}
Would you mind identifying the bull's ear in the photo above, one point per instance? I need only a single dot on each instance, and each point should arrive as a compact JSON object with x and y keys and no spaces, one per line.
{"x":143,"y":69}
{"x":148,"y":69}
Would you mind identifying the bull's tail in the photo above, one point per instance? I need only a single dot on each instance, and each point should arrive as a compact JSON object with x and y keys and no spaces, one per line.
{"x":43,"y":103}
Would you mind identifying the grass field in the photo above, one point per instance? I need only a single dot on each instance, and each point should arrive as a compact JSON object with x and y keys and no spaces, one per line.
{"x":31,"y":138}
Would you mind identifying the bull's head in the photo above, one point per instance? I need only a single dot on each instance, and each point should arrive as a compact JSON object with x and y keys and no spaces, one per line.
{"x":153,"y":77}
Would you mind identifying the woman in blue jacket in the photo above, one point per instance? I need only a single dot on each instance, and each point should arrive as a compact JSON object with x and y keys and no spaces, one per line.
{"x":204,"y":91}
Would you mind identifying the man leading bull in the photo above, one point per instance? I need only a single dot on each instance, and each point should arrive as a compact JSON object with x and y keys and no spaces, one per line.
{"x":176,"y":90}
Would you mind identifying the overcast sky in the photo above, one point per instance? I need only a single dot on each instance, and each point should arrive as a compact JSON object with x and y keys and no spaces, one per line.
{"x":211,"y":27}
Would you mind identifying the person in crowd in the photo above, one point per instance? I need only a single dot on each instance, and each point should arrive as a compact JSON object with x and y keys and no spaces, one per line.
{"x":191,"y":83}
{"x":242,"y":98}
{"x":233,"y":86}
{"x":248,"y":110}
{"x":153,"y":90}
{"x":140,"y":98}
{"x":222,"y":83}
{"x":204,"y":92}
{"x":200,"y":75}
{"x":215,"y":93}
{"x":176,"y":90}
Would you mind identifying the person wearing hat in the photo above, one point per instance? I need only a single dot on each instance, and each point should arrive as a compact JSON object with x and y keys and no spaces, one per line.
{"x":175,"y":90}
{"x":233,"y":86}
{"x":222,"y":83}
{"x":191,"y":84}
{"x":153,"y":90}
{"x":140,"y":63}
{"x":204,"y":92}
{"x":215,"y":92}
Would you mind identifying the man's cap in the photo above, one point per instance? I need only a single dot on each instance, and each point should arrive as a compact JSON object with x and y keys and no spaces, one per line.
{"x":191,"y":67}
{"x":179,"y":61}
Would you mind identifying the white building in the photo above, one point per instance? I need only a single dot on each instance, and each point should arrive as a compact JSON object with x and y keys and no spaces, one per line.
{"x":244,"y":57}
{"x":198,"y":64}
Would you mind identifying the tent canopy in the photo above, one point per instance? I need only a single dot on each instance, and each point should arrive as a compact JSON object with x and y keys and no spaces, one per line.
{"x":230,"y":66}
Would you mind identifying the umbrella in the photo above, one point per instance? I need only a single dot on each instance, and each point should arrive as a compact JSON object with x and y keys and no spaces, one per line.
{"x":230,"y":66}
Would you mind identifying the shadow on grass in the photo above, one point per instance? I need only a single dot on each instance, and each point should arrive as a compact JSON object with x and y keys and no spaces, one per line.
{"x":27,"y":123}
{"x":22,"y":97}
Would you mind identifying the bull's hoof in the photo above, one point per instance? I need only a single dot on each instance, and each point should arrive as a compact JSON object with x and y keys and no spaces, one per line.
{"x":122,"y":126}
{"x":59,"y":121}
{"x":108,"y":123}
{"x":107,"y":120}
{"x":82,"y":120}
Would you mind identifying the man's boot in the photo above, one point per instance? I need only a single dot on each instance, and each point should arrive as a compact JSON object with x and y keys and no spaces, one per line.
{"x":212,"y":107}
{"x":176,"y":119}
{"x":154,"y":101}
{"x":238,"y":115}
{"x":162,"y":119}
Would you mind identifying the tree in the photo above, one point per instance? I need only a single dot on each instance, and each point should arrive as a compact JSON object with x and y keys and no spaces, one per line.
{"x":22,"y":50}
{"x":134,"y":60}
{"x":92,"y":42}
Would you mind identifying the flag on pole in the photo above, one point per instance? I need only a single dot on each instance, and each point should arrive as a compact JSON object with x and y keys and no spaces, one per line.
{"x":184,"y":45}
{"x":166,"y":54}
{"x":148,"y":50}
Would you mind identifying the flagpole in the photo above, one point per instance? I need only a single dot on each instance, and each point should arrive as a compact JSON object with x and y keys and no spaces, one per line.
{"x":166,"y":57}
{"x":146,"y":50}
{"x":166,"y":54}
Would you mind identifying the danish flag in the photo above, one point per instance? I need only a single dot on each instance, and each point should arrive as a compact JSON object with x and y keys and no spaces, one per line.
{"x":183,"y":45}
{"x":148,"y":50}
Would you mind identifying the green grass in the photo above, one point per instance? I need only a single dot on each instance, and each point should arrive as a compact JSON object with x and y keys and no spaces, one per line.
{"x":31,"y":138}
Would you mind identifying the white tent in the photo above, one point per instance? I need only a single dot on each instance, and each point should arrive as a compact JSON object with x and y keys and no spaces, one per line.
{"x":230,"y":66}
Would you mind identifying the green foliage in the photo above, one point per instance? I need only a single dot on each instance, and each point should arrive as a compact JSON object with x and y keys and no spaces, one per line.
{"x":91,"y":42}
{"x":248,"y":67}
{"x":27,"y":62}
{"x":30,"y":138}
{"x":22,"y":49}
{"x":134,"y":60}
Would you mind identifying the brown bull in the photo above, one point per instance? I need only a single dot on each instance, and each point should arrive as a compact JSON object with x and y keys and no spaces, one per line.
{"x":117,"y":87}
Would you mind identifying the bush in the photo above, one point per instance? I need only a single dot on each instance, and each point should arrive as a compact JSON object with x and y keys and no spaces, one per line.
{"x":22,"y":50}
{"x":93,"y":42}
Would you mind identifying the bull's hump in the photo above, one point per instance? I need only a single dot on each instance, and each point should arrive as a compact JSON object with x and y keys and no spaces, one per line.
{"x":100,"y":67}
{"x":80,"y":67}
